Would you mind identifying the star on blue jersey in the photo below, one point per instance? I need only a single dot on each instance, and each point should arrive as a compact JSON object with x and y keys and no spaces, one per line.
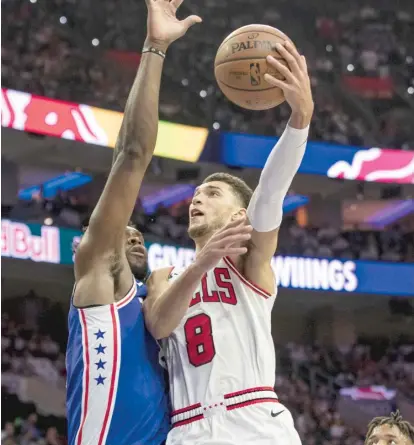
{"x":99,"y":334}
{"x":100,"y":364}
{"x":100,"y":349}
{"x":121,"y":380}
{"x":100,"y":380}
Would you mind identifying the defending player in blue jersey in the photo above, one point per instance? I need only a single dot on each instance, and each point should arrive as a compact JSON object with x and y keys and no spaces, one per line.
{"x":115,"y":386}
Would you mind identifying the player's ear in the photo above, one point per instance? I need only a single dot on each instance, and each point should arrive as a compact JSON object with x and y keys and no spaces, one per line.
{"x":241,"y":213}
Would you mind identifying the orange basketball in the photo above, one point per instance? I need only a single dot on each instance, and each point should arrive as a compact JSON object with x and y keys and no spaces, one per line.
{"x":240,"y":65}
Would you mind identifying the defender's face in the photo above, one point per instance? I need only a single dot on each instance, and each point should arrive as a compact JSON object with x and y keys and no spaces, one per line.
{"x":136,"y":252}
{"x":388,"y":435}
{"x":212,"y":206}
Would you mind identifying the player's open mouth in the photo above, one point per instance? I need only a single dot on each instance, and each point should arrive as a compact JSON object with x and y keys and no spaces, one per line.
{"x":196,"y":212}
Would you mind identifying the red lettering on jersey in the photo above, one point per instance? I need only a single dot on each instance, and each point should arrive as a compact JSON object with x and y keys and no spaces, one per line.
{"x":223,"y":280}
{"x":196,"y":299}
{"x":226,"y":294}
{"x":207,"y":298}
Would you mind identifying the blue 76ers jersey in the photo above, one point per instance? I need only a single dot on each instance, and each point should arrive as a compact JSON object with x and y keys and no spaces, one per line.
{"x":116,"y":391}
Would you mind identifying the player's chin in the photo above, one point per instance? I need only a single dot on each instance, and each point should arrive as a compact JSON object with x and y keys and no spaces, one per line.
{"x":139,"y":267}
{"x":196,"y":230}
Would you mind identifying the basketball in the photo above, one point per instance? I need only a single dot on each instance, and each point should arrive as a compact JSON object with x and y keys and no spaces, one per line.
{"x":240,"y":65}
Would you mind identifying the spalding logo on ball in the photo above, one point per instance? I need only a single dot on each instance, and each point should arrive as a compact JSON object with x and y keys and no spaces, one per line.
{"x":240,"y":65}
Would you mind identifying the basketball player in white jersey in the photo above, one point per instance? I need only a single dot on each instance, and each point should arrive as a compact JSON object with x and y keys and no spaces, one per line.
{"x":215,"y":316}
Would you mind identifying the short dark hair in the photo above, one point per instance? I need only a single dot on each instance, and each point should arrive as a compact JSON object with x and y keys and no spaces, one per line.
{"x":240,"y":188}
{"x":395,"y":419}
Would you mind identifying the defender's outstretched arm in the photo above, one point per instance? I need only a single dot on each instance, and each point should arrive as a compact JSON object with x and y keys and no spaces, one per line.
{"x":103,"y":243}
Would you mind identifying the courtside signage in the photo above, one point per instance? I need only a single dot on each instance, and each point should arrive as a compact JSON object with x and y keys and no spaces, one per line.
{"x":54,"y":245}
{"x":291,"y":272}
{"x":334,"y":161}
{"x":20,"y":241}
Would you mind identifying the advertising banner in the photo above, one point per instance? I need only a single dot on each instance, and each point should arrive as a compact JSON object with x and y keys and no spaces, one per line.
{"x":54,"y":245}
{"x":335,"y":161}
{"x":92,"y":125}
{"x":35,"y":114}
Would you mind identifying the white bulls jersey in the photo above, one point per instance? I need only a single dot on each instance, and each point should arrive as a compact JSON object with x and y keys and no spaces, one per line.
{"x":223,"y":346}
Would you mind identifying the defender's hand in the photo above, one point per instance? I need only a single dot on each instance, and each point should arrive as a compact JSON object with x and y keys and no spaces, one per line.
{"x":227,"y":241}
{"x":163,"y":27}
{"x":296,"y":84}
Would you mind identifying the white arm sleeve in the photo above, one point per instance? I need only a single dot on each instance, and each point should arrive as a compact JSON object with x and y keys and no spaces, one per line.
{"x":265,"y":210}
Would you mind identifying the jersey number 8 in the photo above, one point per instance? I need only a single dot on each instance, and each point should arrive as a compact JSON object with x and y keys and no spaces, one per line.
{"x":199,"y":338}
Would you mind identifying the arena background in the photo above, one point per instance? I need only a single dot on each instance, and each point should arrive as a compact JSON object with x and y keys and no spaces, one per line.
{"x":343,"y":323}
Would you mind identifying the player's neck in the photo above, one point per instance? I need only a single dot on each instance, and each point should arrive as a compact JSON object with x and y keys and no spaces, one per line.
{"x":201,"y":242}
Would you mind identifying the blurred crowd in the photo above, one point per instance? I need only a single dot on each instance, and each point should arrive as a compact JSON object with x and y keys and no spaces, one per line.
{"x":313,"y":405}
{"x":329,"y":242}
{"x":33,"y":329}
{"x":88,"y":54}
{"x":25,"y":431}
{"x":33,"y":338}
{"x":64,"y":209}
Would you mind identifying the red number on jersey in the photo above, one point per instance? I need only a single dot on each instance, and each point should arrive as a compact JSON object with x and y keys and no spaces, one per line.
{"x":199,"y":337}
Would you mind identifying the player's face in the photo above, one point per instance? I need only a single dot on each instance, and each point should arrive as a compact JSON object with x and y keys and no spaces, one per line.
{"x":136,"y":253}
{"x":388,"y":435}
{"x":211,"y":208}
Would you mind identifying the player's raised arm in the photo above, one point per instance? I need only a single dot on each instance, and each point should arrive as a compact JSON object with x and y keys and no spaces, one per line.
{"x":104,"y":238}
{"x":265,"y":210}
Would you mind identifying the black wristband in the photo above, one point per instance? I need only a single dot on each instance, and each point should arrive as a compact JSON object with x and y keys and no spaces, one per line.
{"x":153,"y":50}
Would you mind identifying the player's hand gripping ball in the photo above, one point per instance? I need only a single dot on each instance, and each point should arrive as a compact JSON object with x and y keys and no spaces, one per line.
{"x":240,"y":66}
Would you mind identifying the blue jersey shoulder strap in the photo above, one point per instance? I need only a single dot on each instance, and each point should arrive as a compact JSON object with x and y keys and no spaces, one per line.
{"x":141,"y":289}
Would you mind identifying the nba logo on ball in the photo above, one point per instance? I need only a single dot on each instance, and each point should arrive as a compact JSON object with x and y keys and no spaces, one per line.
{"x":240,"y":66}
{"x":255,"y":74}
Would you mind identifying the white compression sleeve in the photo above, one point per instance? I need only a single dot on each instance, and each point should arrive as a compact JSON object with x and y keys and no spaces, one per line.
{"x":265,"y":210}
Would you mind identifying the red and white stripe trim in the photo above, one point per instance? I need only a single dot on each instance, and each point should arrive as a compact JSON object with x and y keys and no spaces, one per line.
{"x":114,"y":375}
{"x":228,"y":402}
{"x":101,"y":340}
{"x":128,"y":297}
{"x":85,"y":378}
{"x":245,"y":281}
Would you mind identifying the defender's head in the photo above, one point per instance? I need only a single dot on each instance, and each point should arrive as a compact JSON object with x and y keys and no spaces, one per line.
{"x":391,"y":430}
{"x":135,"y":251}
{"x":220,"y":197}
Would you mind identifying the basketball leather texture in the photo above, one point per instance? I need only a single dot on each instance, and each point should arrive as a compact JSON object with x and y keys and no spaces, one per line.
{"x":240,"y":66}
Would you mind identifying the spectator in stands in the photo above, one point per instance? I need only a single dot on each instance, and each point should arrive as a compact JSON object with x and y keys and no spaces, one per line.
{"x":29,"y":431}
{"x":8,"y":434}
{"x":51,"y":437}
